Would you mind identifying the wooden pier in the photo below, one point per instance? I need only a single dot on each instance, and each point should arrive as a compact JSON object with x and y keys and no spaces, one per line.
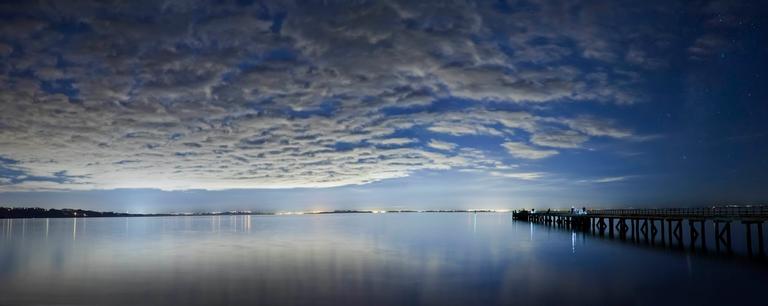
{"x":664,"y":225}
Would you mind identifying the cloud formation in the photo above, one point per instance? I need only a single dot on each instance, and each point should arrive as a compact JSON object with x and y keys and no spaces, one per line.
{"x":442,"y":145}
{"x":184,"y":95}
{"x":521,"y":150}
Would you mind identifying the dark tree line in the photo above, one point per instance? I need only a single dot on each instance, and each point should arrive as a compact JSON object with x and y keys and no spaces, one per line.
{"x":36,"y":212}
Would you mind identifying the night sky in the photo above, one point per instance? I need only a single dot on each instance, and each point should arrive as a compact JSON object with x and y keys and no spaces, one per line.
{"x":162,"y":106}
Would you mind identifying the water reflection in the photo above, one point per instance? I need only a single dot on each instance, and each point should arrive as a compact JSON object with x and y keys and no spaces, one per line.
{"x":382,"y":259}
{"x":573,"y":242}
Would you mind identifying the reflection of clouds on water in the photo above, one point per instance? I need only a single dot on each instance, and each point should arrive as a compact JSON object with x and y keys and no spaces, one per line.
{"x":287,"y":251}
{"x":392,"y":259}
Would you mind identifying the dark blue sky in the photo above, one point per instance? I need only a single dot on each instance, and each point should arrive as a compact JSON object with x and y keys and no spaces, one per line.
{"x":175,"y":106}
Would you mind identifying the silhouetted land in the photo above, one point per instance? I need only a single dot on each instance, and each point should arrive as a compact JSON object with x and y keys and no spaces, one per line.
{"x":26,"y":212}
{"x":36,"y":212}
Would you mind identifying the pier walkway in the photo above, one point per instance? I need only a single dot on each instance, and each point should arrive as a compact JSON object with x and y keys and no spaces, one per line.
{"x":648,"y":224}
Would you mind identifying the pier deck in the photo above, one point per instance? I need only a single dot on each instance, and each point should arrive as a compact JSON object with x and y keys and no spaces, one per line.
{"x":647,"y":224}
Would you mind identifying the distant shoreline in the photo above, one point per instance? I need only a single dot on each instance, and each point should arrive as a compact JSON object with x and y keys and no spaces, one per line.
{"x":43,"y":213}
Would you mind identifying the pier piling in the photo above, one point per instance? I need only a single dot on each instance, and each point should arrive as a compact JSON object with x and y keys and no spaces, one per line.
{"x":643,"y":225}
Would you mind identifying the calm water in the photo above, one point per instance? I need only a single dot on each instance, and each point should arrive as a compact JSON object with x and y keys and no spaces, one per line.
{"x":350,"y":259}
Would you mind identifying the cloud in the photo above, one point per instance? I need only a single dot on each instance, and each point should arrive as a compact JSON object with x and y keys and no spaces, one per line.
{"x":595,"y":126}
{"x":610,"y":179}
{"x":5,"y":49}
{"x":521,"y":150}
{"x":286,"y":94}
{"x":722,"y":27}
{"x":393,"y":141}
{"x":559,"y":139}
{"x":528,"y":176}
{"x":461,"y":128}
{"x":442,"y":145}
{"x":641,"y":58}
{"x":706,"y":46}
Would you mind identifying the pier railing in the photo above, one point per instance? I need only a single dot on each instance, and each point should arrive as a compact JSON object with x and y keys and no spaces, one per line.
{"x":735,"y":212}
{"x":645,"y":224}
{"x":725,"y":212}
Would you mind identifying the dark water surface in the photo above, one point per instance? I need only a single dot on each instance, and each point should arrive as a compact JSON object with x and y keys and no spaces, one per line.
{"x":351,"y":259}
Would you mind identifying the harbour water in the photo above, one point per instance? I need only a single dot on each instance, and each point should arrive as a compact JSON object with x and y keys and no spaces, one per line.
{"x":352,"y":259}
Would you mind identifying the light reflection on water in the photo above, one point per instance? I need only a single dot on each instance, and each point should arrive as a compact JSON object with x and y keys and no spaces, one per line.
{"x":355,"y":259}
